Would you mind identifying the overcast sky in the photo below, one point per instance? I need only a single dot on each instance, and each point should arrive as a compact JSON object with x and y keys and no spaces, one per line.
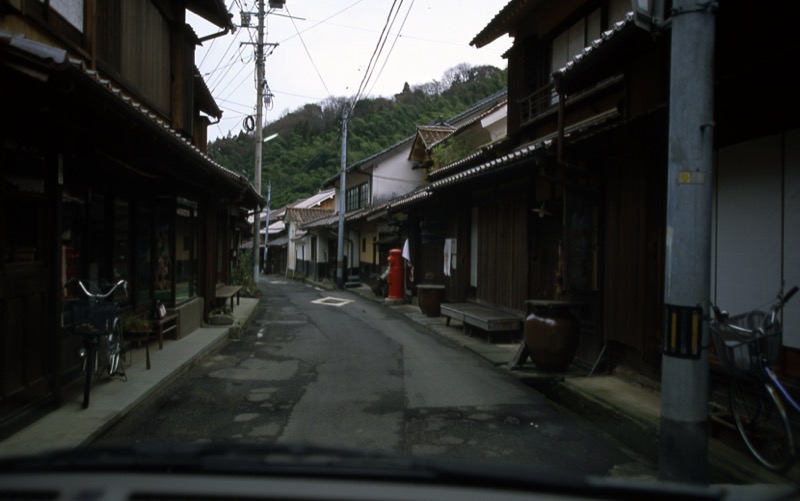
{"x":324,"y":49}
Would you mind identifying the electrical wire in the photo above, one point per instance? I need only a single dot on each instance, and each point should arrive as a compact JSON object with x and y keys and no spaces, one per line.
{"x":396,"y":37}
{"x":297,"y":34}
{"x":222,"y":58}
{"x":376,"y":53}
{"x":309,"y":53}
{"x":244,"y":65}
{"x":219,"y":78}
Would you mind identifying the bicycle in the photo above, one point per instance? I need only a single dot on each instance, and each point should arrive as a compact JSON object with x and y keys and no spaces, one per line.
{"x":97,"y":321}
{"x":748,"y":346}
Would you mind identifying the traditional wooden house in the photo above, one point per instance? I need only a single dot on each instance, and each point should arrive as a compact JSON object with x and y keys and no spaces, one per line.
{"x":573,"y":204}
{"x":374,"y":185}
{"x":104,"y":177}
{"x":308,"y":249}
{"x":370,"y":182}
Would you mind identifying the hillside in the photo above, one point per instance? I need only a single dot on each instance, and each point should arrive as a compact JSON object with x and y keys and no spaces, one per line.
{"x":308,"y":148}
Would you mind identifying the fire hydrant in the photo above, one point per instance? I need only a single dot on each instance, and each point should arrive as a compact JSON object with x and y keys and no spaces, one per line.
{"x":395,"y":278}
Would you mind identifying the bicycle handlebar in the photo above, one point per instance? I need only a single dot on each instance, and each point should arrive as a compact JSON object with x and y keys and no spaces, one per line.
{"x":722,"y":316}
{"x":99,"y":295}
{"x":782,"y":300}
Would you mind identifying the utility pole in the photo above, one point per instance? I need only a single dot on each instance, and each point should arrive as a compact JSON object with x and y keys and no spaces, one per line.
{"x":266,"y":232}
{"x":342,"y":195}
{"x":259,"y":133}
{"x":683,"y":443}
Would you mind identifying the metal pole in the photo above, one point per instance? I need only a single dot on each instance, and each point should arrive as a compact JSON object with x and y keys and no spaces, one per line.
{"x":266,"y":233}
{"x":259,"y":133}
{"x":342,"y":195}
{"x":683,"y":444}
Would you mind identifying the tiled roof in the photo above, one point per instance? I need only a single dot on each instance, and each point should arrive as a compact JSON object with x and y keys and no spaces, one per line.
{"x":531,"y":151}
{"x":501,"y":23}
{"x":454,"y":119}
{"x":492,"y":100}
{"x":305,"y":216}
{"x":605,"y":37}
{"x":433,"y":134}
{"x":500,"y":104}
{"x":314,"y":200}
{"x":512,"y":158}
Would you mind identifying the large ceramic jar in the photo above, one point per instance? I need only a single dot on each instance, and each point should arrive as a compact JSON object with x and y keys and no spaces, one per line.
{"x":551,"y":334}
{"x":430,"y":297}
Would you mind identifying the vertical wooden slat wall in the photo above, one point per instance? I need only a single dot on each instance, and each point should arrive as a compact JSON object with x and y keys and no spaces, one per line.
{"x":502,"y":248}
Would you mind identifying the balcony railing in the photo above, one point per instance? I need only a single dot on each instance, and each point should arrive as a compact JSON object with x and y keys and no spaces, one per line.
{"x":540,"y":101}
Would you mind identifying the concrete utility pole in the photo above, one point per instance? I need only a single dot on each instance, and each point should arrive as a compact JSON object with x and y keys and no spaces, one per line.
{"x":683,"y":445}
{"x":259,"y":132}
{"x":266,"y":229}
{"x":342,"y":195}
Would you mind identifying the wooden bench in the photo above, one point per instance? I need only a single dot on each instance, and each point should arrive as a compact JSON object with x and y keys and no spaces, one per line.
{"x":138,"y":338}
{"x":161,"y":326}
{"x":225,"y":292}
{"x":485,"y":318}
{"x":158,"y":327}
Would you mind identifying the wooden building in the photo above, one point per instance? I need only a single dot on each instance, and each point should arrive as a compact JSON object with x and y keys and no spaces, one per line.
{"x":105,"y":177}
{"x":571,"y":203}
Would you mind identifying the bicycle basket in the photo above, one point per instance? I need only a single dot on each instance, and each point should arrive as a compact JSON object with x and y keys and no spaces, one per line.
{"x":93,"y":318}
{"x":738,"y":351}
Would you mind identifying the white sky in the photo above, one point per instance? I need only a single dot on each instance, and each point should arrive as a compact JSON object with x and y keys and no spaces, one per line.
{"x":333,"y":49}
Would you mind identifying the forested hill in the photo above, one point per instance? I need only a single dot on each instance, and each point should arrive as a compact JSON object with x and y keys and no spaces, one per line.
{"x":307,"y":150}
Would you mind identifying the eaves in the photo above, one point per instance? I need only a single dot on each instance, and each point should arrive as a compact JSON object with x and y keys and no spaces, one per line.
{"x":604,"y":56}
{"x":213,"y":11}
{"x":503,"y":22}
{"x":536,"y":153}
{"x":43,"y":61}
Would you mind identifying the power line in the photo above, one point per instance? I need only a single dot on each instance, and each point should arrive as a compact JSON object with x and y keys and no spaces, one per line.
{"x":308,"y":53}
{"x":386,"y":59}
{"x":376,"y":52}
{"x":219,"y":77}
{"x":297,"y":34}
{"x":231,"y":81}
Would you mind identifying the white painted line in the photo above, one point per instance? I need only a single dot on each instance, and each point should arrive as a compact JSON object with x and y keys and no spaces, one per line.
{"x":332,"y":301}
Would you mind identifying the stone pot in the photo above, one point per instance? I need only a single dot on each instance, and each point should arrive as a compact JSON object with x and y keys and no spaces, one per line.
{"x":430,"y":297}
{"x":551,"y":334}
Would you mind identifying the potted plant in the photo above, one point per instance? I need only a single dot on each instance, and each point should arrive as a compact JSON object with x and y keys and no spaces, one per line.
{"x":133,"y":323}
{"x":430,"y":296}
{"x":220,"y":316}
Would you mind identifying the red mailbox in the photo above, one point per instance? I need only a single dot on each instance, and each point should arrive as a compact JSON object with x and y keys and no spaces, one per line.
{"x":395,"y":278}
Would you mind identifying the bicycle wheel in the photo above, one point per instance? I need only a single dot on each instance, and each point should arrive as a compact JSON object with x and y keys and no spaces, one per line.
{"x":761,"y":419}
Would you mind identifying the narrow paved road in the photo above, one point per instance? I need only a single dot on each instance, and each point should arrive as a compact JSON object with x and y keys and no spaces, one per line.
{"x":332,"y":368}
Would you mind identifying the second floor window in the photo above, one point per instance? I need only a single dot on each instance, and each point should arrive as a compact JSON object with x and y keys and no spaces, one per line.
{"x":357,"y":197}
{"x":70,"y":10}
{"x":573,"y":40}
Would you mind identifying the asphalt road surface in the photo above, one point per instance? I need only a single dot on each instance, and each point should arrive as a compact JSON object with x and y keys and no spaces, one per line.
{"x":334,"y":369}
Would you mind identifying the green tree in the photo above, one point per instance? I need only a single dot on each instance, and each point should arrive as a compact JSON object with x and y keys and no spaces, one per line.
{"x":307,"y":150}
